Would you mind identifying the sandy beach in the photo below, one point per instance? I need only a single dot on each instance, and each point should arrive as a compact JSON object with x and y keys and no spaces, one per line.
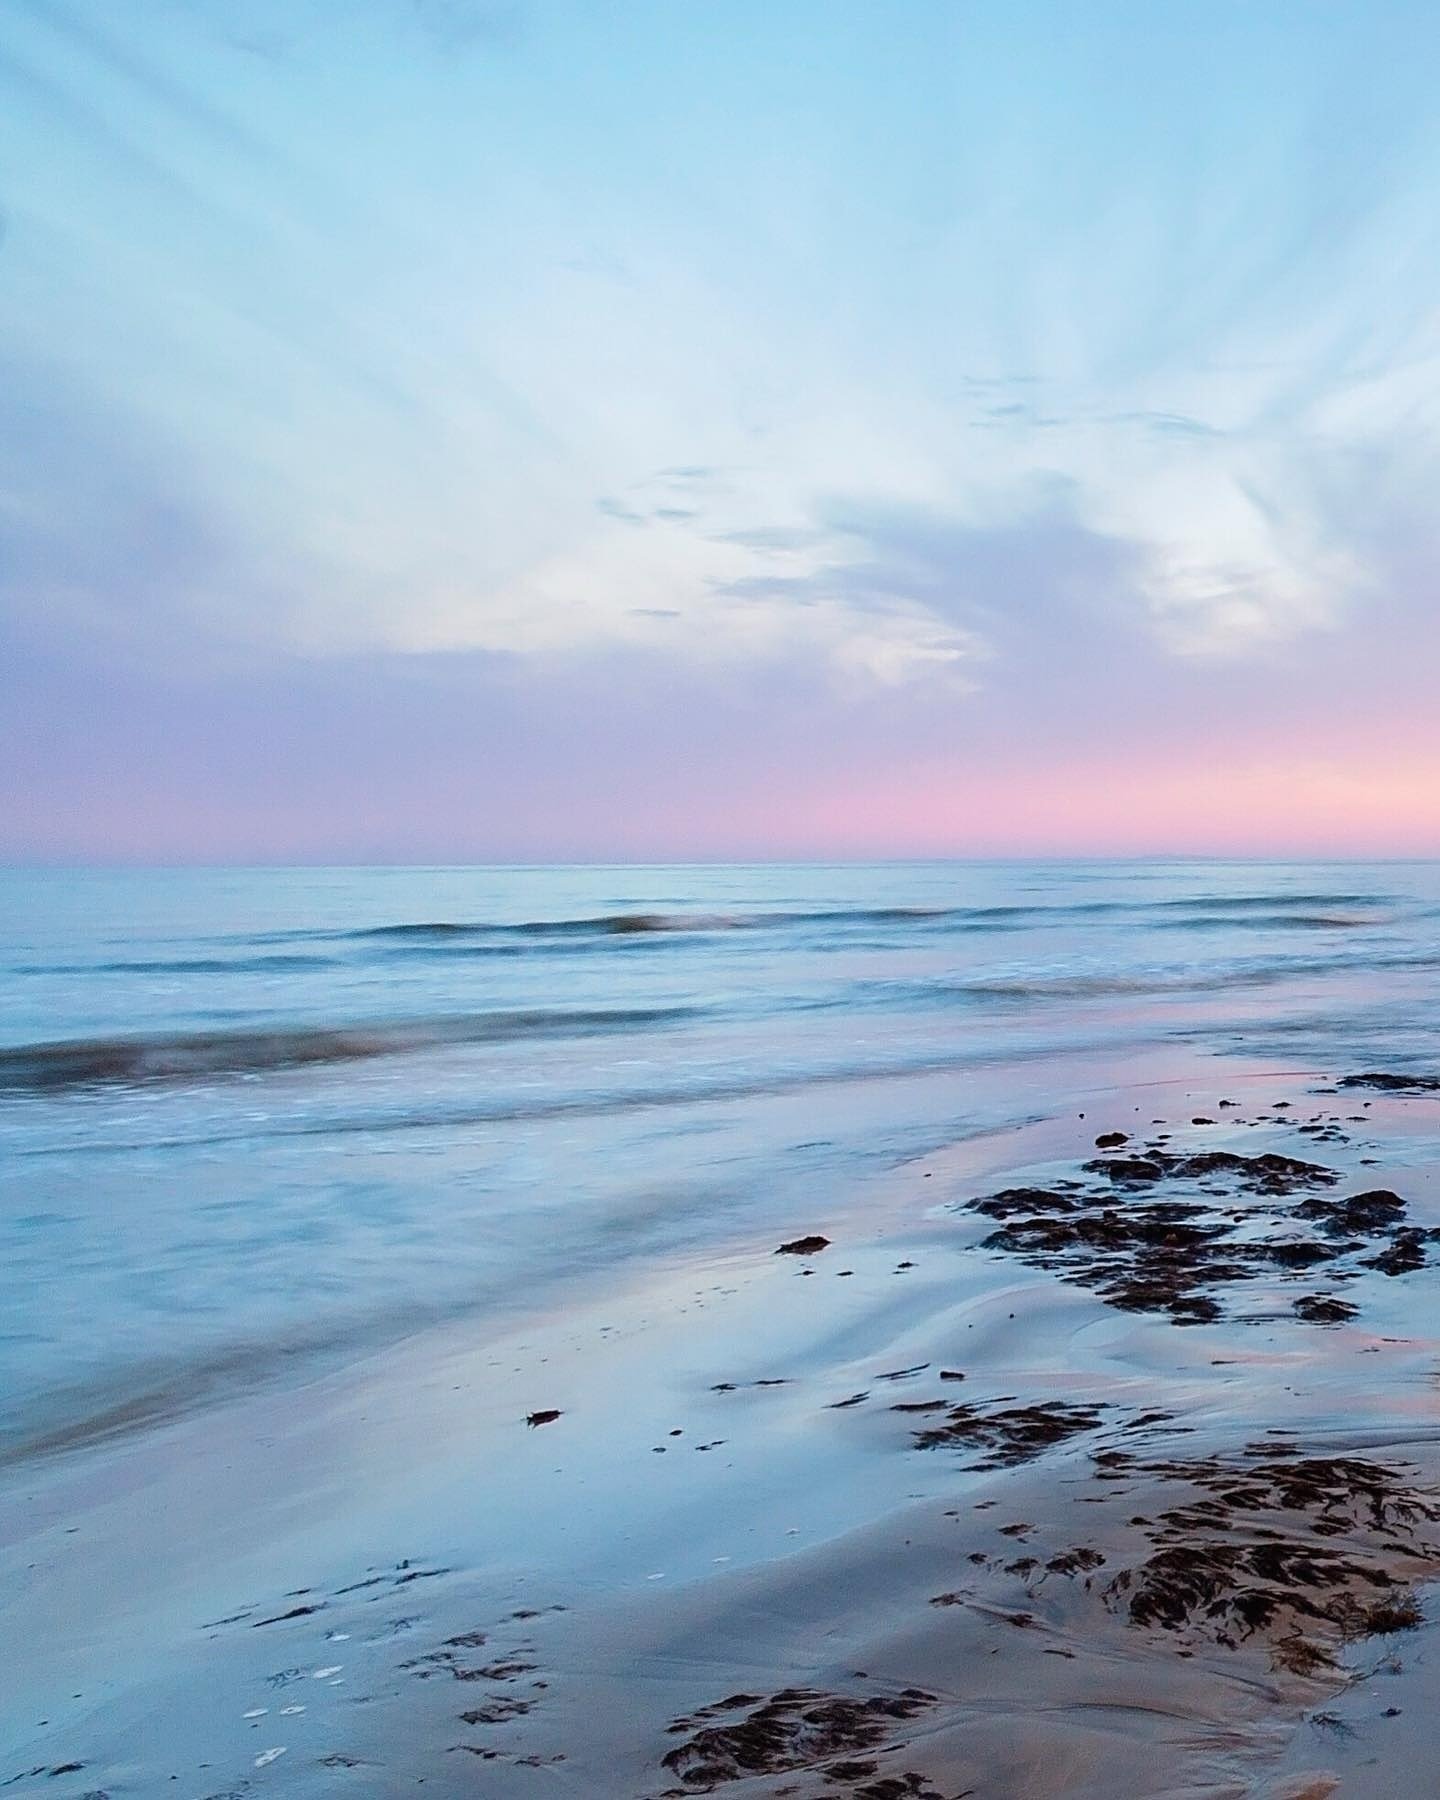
{"x":1055,"y":1469}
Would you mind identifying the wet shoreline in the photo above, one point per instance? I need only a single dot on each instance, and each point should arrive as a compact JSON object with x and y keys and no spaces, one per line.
{"x":1035,"y":1470}
{"x":255,"y":1124}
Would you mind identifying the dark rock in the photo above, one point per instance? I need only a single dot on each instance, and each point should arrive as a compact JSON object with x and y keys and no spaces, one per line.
{"x":1405,"y":1254}
{"x":1324,"y":1309}
{"x":804,"y":1246}
{"x":1374,"y":1211}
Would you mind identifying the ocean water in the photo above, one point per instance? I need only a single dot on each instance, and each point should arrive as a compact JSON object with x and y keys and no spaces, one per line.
{"x":252,"y":1119}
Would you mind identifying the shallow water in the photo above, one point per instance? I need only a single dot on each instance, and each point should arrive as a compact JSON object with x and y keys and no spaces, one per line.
{"x":251,"y":1117}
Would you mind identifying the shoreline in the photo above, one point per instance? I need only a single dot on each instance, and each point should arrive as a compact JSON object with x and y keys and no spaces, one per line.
{"x":789,"y":1528}
{"x":156,"y":1394}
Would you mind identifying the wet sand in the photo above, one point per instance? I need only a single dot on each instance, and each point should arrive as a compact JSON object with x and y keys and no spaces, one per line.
{"x":1048,"y":1467}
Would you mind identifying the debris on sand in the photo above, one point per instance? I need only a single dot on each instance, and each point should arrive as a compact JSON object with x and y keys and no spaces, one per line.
{"x":1393,"y":1083}
{"x":1256,"y":1551}
{"x":1266,"y":1174}
{"x":1144,"y":1253}
{"x":295,"y":1612}
{"x":1376,"y":1210}
{"x":798,"y":1728}
{"x":804,"y":1246}
{"x":1010,"y":1434}
{"x":1324,"y":1309}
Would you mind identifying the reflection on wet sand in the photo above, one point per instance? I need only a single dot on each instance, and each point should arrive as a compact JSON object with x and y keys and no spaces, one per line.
{"x":1183,"y":1518}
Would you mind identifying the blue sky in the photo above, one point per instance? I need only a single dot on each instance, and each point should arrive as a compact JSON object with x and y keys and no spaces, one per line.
{"x":438,"y":427}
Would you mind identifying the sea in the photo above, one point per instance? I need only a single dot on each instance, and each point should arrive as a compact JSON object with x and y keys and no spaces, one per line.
{"x":256,"y":1120}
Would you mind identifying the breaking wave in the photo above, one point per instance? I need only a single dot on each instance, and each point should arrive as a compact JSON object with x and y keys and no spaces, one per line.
{"x":87,"y":1062}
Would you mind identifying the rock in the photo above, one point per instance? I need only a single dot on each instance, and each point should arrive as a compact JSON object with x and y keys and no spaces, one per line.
{"x":804,"y":1246}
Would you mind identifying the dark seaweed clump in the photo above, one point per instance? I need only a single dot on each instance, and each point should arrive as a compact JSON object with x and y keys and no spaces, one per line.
{"x":1323,"y":1309}
{"x":798,"y":1728}
{"x":1266,"y":1174}
{"x":1009,"y":1434}
{"x":1256,"y":1551}
{"x":1386,"y":1083}
{"x":1175,"y":1256}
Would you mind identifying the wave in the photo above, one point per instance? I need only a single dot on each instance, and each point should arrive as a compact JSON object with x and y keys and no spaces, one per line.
{"x":481,"y":939}
{"x":703,"y":1090}
{"x":1285,"y":908}
{"x":185,"y":965}
{"x":647,"y":924}
{"x":1216,"y":903}
{"x":1176,"y":978}
{"x":1266,"y":921}
{"x":193,"y":1056}
{"x":604,"y":925}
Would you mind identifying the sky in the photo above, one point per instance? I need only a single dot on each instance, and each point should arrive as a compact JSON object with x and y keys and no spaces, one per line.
{"x":449,"y":430}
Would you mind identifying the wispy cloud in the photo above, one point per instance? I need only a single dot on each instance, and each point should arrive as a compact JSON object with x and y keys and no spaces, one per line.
{"x":459,"y":25}
{"x":931,"y":382}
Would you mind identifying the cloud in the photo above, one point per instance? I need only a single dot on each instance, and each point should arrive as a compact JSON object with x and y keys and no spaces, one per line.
{"x":1166,"y":424}
{"x":1014,"y":413}
{"x":108,"y":537}
{"x":459,"y":25}
{"x":689,"y":474}
{"x":785,"y":538}
{"x":613,"y":509}
{"x":610,"y":368}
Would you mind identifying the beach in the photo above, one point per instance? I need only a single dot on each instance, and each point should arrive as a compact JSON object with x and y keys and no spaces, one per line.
{"x":926,"y":1356}
{"x":719,"y":900}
